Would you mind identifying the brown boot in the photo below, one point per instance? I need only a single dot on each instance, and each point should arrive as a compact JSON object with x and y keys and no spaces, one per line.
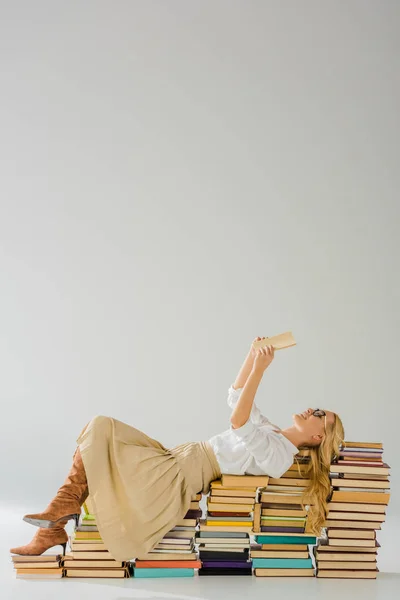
{"x":43,"y":540}
{"x":67,"y":503}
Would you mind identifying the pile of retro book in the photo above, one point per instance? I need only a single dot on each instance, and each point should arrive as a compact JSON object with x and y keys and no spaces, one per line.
{"x":281,"y":547}
{"x":357,"y":508}
{"x":224,"y":535}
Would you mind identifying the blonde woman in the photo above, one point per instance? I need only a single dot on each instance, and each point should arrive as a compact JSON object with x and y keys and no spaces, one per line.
{"x":139,"y":489}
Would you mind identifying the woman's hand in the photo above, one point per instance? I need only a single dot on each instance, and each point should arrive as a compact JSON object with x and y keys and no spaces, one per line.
{"x":253,"y":351}
{"x":263,"y":358}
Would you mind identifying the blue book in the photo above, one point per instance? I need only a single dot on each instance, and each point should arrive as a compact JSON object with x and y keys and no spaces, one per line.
{"x":163,"y":572}
{"x":282,"y":563}
{"x":285,"y":539}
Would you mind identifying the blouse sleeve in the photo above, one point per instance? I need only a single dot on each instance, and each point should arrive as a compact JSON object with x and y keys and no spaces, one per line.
{"x":256,"y":415}
{"x":268,"y":451}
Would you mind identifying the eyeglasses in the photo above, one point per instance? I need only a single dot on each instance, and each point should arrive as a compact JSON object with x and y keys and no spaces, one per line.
{"x":320,"y":413}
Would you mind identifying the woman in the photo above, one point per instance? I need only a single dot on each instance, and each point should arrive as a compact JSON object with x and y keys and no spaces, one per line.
{"x":139,"y":489}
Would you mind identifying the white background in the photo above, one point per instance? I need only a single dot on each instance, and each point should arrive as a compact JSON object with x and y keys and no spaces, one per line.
{"x":177,"y":178}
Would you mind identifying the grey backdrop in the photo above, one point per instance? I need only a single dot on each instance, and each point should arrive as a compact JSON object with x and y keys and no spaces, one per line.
{"x":177,"y":178}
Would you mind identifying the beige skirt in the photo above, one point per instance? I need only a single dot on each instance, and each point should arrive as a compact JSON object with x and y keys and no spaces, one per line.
{"x":138,"y":488}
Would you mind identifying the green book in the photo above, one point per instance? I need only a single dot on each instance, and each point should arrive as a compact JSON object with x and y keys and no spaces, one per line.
{"x":282,"y":563}
{"x":162,"y":572}
{"x":285,"y":539}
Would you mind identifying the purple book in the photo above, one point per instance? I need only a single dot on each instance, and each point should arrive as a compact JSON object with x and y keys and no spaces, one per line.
{"x":283,"y":529}
{"x":227,"y":564}
{"x":193,"y":514}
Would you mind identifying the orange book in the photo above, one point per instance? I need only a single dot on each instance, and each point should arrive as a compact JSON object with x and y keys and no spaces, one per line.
{"x":168,"y":564}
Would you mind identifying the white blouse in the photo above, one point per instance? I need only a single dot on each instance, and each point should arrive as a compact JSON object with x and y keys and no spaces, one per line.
{"x":254,"y":448}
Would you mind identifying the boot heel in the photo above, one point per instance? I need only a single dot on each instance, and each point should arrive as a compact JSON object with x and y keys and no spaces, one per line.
{"x":64,"y":547}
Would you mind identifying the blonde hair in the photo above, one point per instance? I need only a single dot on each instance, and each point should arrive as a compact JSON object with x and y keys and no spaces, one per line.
{"x":317,"y":471}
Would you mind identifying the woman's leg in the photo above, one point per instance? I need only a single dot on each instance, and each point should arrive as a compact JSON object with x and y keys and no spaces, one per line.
{"x":64,"y":506}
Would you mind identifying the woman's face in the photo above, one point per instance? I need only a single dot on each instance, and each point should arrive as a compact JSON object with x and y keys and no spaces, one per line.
{"x":311,"y":425}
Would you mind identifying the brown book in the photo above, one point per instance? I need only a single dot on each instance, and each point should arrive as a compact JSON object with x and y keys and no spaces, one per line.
{"x":278,"y":554}
{"x":100,"y":564}
{"x":83,"y":555}
{"x":370,"y":548}
{"x":283,"y":481}
{"x":87,"y":535}
{"x":360,"y":483}
{"x":168,"y":556}
{"x":367,"y":497}
{"x":353,"y":525}
{"x":346,"y":556}
{"x":354,"y":565}
{"x":232,"y":493}
{"x":344,"y":574}
{"x":244,"y":480}
{"x":241,"y":507}
{"x":269,"y":497}
{"x":173,"y":547}
{"x":257,"y":517}
{"x":354,"y":534}
{"x":352,"y":542}
{"x":352,"y":468}
{"x":43,"y":558}
{"x":216,"y":513}
{"x":39,"y":572}
{"x":357,"y":508}
{"x":365,"y":477}
{"x":228,"y":500}
{"x":103,"y":573}
{"x":241,"y":528}
{"x":179,"y":533}
{"x":271,"y":512}
{"x":284,"y":572}
{"x":216,"y":484}
{"x":294,"y":468}
{"x":279,"y":342}
{"x":377,"y":445}
{"x":294,"y":474}
{"x":37,"y":565}
{"x":353,"y":516}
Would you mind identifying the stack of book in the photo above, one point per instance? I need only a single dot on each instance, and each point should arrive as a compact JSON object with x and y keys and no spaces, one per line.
{"x":281,"y":542}
{"x":89,"y":557}
{"x":361,"y":492}
{"x":44,"y":566}
{"x":175,"y":555}
{"x":224,"y":536}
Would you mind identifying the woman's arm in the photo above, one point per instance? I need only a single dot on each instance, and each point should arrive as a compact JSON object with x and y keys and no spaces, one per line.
{"x":246,"y":367}
{"x":242,"y":410}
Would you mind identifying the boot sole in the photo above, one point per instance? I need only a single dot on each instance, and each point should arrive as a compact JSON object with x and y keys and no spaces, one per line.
{"x":45,"y":524}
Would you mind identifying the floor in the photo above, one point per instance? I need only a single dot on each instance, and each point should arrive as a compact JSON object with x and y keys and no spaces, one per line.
{"x":15,"y":532}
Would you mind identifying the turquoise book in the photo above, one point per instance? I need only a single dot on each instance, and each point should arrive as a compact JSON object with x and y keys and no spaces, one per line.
{"x":282,"y":563}
{"x":285,"y":539}
{"x":154,"y":572}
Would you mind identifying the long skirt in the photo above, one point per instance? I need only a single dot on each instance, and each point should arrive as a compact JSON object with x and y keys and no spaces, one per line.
{"x":139,"y":489}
